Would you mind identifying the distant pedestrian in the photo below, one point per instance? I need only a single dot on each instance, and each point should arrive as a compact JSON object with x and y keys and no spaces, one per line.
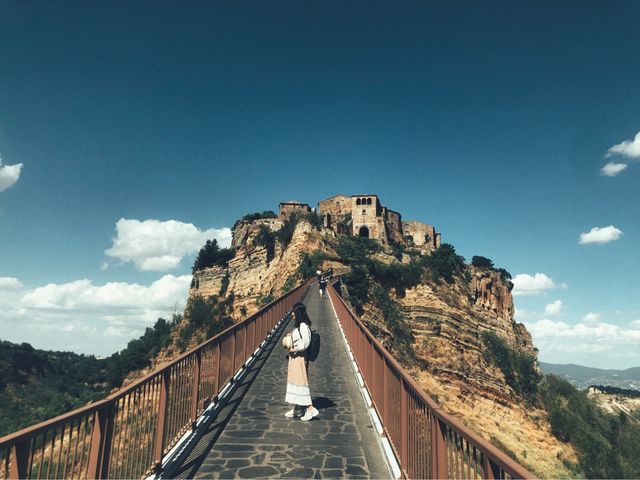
{"x":298,"y":392}
{"x":322,"y":285}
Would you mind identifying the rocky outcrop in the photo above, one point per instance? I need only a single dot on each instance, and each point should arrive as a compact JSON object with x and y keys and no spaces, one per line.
{"x":448,"y":333}
{"x":252,"y":277}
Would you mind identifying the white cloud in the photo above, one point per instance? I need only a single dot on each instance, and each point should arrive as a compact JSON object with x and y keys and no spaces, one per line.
{"x":111,"y":297}
{"x":600,"y":235}
{"x":9,"y":175}
{"x":612,"y":169}
{"x":88,"y":318}
{"x":560,"y":342}
{"x":10,"y":282}
{"x":158,"y":246}
{"x":525,"y":284}
{"x":628,"y":148}
{"x":591,"y":318}
{"x":635,"y":324}
{"x":553,"y":308}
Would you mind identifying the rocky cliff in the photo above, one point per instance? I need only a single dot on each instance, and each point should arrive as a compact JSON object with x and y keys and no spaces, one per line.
{"x":448,"y":322}
{"x":255,"y":275}
{"x":445,"y":321}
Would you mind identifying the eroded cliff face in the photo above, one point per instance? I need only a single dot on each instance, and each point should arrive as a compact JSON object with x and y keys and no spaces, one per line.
{"x":448,"y":322}
{"x":252,"y":277}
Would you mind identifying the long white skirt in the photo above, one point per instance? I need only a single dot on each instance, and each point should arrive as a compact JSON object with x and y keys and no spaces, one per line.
{"x":297,"y":382}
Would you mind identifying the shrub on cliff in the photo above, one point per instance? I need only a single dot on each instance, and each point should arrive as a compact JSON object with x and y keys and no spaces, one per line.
{"x":211,"y":254}
{"x":357,"y":282}
{"x":481,"y":262}
{"x":285,"y":234}
{"x":518,"y":368}
{"x":401,"y":334}
{"x":355,"y":250}
{"x":396,"y":275}
{"x":444,"y":263}
{"x":309,"y":264}
{"x":250,"y":217}
{"x":267,"y":239}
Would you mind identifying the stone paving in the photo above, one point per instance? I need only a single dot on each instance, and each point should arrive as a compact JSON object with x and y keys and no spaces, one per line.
{"x":251,"y":438}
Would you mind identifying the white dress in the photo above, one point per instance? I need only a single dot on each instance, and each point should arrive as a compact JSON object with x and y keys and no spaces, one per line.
{"x":297,"y":380}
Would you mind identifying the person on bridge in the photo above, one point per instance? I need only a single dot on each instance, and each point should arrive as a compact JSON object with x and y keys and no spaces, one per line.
{"x":298,"y":392}
{"x":322,"y":285}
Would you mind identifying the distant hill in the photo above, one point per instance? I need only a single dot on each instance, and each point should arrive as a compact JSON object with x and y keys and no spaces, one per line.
{"x":36,"y":384}
{"x":583,"y":377}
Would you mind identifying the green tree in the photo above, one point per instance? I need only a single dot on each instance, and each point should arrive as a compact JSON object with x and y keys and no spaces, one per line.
{"x":482,"y":262}
{"x":211,"y":254}
{"x":444,"y":263}
{"x":309,"y":264}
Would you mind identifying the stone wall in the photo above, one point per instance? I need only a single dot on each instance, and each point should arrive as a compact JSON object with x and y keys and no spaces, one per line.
{"x":333,"y":210}
{"x":290,"y":208}
{"x":422,"y":235}
{"x":393,"y":221}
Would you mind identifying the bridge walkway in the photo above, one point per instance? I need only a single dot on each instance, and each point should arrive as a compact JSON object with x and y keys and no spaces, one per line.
{"x":250,"y":437}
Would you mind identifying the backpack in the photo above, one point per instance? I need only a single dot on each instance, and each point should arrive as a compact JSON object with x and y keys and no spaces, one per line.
{"x":314,"y":346}
{"x":313,"y":349}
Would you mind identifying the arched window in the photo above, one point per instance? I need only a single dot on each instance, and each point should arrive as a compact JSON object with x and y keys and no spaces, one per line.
{"x":358,"y":202}
{"x":368,"y":201}
{"x":363,"y":232}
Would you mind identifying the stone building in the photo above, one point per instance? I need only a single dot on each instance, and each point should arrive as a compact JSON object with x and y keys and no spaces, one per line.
{"x":421,"y":235}
{"x":365,"y":216}
{"x":289,"y":208}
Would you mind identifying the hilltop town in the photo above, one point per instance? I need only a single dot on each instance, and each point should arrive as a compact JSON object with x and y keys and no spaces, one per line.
{"x":365,"y":216}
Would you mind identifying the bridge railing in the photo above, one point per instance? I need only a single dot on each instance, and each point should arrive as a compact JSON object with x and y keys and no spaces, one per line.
{"x":127,"y":434}
{"x":427,"y":442}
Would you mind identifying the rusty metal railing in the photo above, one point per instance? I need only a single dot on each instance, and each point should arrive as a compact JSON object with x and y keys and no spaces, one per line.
{"x":127,"y":434}
{"x":427,"y":442}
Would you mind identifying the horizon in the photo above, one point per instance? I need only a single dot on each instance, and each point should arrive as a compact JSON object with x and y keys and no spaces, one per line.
{"x":128,"y":139}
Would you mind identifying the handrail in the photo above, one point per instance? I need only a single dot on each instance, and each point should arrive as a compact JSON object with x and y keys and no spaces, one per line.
{"x":428,"y":442}
{"x":127,"y":434}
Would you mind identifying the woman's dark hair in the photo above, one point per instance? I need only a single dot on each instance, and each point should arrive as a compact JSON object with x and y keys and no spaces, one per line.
{"x":300,"y":314}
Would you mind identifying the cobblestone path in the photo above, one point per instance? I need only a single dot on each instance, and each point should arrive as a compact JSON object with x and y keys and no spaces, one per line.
{"x":251,"y":438}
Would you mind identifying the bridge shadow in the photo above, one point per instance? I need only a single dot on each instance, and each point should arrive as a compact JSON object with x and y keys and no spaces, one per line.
{"x":189,"y":461}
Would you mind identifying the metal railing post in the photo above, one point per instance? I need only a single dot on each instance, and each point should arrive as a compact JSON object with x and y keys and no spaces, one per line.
{"x":404,"y":425}
{"x":491,"y":470}
{"x":19,"y":454}
{"x":438,"y":449}
{"x":195,"y":395}
{"x":101,"y":436}
{"x":162,"y":419}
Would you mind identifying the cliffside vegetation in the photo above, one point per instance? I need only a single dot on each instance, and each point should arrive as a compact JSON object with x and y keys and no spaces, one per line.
{"x":519,"y":369}
{"x":211,"y":254}
{"x":36,"y":385}
{"x":608,"y":445}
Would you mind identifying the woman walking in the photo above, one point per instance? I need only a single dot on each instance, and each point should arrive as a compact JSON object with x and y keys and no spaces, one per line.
{"x":298,"y":392}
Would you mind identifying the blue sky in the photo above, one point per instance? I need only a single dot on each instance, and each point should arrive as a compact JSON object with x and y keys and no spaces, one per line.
{"x":131,"y":133}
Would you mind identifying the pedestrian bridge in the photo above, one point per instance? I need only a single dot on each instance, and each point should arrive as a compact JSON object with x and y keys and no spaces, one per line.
{"x":217,"y":412}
